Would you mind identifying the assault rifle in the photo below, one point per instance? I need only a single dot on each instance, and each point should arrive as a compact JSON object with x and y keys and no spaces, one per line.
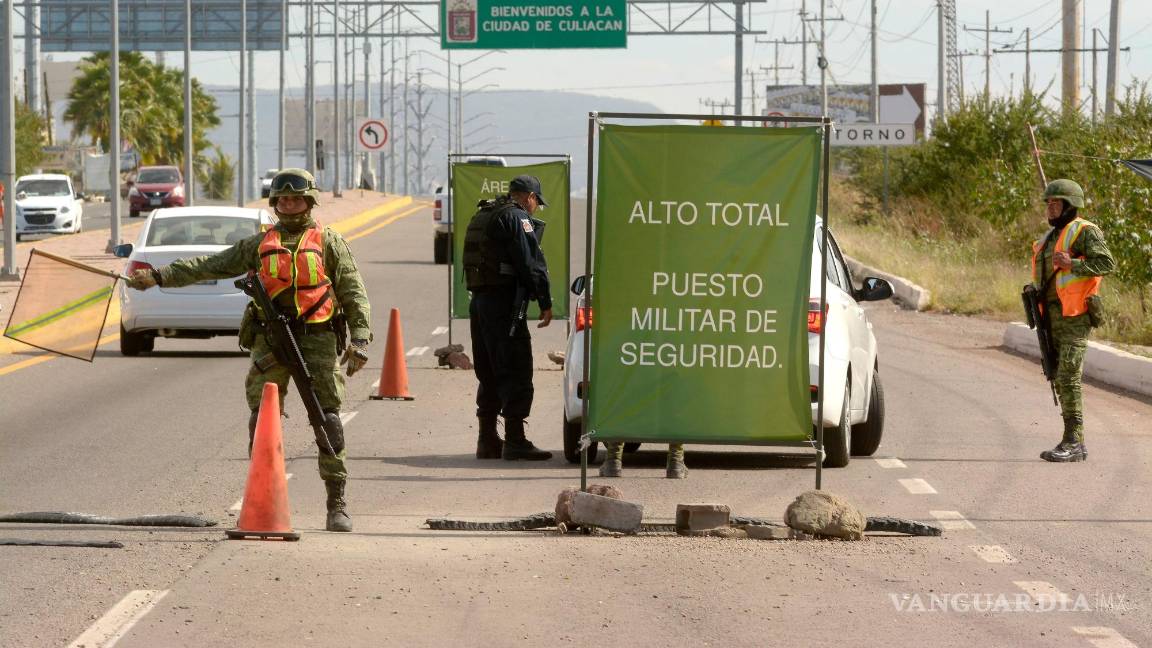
{"x":1038,"y":319}
{"x":278,"y":333}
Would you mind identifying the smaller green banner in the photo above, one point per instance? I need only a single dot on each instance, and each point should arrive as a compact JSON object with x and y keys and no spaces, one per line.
{"x":472,"y":183}
{"x":533,"y":24}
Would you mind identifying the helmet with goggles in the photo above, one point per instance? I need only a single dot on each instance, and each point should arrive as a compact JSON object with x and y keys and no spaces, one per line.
{"x":293,"y":182}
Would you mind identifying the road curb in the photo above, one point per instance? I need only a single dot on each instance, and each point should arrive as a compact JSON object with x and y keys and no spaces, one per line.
{"x":1101,"y":362}
{"x":904,"y":292}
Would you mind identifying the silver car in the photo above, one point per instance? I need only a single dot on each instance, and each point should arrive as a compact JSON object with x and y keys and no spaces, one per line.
{"x":202,"y":310}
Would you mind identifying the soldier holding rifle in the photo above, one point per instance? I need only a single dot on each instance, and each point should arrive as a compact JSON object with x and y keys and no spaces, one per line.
{"x":1067,"y":264}
{"x":310,"y":277}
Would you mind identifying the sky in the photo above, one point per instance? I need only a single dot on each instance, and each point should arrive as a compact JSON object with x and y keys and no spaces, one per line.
{"x":680,"y":73}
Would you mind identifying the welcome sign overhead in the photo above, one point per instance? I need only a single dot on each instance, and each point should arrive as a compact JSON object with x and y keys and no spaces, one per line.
{"x":533,"y":24}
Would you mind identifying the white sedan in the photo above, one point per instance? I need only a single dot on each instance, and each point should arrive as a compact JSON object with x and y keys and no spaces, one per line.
{"x":853,"y":416}
{"x":47,"y":203}
{"x":202,"y":310}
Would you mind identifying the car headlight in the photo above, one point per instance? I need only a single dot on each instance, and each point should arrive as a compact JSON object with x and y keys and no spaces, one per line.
{"x":178,"y":191}
{"x":133,"y":192}
{"x":63,"y":210}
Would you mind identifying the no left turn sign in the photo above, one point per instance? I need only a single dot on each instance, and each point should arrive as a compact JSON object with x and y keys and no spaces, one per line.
{"x":372,"y":135}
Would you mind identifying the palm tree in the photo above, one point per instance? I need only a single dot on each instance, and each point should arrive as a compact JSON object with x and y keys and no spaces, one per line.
{"x":216,"y":177}
{"x":152,"y":107}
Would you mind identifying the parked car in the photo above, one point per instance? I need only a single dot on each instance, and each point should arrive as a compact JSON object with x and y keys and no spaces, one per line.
{"x":266,"y":182}
{"x":853,"y":417}
{"x":442,"y":212}
{"x":47,"y":203}
{"x":154,"y":187}
{"x":202,"y":310}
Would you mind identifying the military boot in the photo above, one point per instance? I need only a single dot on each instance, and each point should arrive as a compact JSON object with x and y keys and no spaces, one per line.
{"x":338,"y":519}
{"x":517,"y":447}
{"x":613,"y":465}
{"x":676,"y":468}
{"x":488,"y":444}
{"x":1066,"y":453}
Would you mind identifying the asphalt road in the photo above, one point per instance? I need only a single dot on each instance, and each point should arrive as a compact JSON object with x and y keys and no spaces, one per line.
{"x":166,"y":432}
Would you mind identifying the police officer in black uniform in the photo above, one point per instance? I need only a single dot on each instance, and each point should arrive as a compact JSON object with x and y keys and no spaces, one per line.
{"x":504,"y":269}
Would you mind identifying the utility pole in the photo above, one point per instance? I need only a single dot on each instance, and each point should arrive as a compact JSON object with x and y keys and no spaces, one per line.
{"x":32,"y":55}
{"x":941,"y":69}
{"x":776,"y":67}
{"x":1027,"y":59}
{"x":249,"y":186}
{"x":752,"y":85}
{"x":803,"y":42}
{"x":1028,"y":52}
{"x":420,"y":110}
{"x":875,"y":92}
{"x":310,"y":90}
{"x":713,"y":104}
{"x":739,"y":7}
{"x":283,"y":49}
{"x":1094,"y":103}
{"x":8,"y":270}
{"x":1071,"y":42}
{"x":189,"y":174}
{"x":336,"y":127}
{"x":1113,"y":44}
{"x":988,"y":31}
{"x":823,"y":64}
{"x":242,"y":165}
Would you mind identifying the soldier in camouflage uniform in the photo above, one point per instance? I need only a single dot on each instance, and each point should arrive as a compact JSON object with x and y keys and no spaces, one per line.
{"x":1066,"y":266}
{"x":613,"y":465}
{"x":321,"y":298}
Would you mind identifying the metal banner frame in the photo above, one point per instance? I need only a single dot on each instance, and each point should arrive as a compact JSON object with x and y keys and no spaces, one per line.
{"x":595,"y":118}
{"x":452,"y":224}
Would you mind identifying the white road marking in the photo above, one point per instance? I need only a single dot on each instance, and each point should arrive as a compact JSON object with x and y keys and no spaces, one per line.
{"x":240,"y":502}
{"x":347,"y":416}
{"x":993,"y":554}
{"x":415,"y":351}
{"x":116,"y":622}
{"x":951,"y":520}
{"x":440,"y":330}
{"x":917,"y":486}
{"x":890,"y":462}
{"x":1103,"y":637}
{"x":1042,"y":589}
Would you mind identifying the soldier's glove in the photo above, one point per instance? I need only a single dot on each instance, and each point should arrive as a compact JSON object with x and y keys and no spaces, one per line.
{"x":355,"y":357}
{"x":144,"y":279}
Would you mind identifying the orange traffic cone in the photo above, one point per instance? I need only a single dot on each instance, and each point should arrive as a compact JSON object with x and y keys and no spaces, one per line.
{"x":394,"y":374}
{"x":264,"y":513}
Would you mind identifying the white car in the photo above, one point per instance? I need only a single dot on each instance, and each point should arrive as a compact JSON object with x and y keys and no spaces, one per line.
{"x":266,"y":182}
{"x":853,"y":418}
{"x":47,"y":203}
{"x":202,"y":310}
{"x":442,"y":212}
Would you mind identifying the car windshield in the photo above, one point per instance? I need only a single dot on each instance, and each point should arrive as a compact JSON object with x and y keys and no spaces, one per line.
{"x":200,"y":230}
{"x":43,"y":188}
{"x":158,"y":176}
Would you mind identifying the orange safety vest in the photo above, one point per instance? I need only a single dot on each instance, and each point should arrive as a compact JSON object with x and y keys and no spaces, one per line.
{"x":280,"y":270}
{"x":1072,"y":290}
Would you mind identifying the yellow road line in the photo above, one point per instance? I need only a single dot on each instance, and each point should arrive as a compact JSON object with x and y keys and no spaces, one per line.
{"x":395,"y":218}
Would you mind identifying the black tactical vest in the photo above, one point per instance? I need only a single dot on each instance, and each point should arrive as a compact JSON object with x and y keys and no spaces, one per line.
{"x":483,"y":257}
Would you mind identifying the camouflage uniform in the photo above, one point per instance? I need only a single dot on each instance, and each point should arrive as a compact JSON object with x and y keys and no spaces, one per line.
{"x":317,"y":346}
{"x":1090,"y":257}
{"x":613,"y":463}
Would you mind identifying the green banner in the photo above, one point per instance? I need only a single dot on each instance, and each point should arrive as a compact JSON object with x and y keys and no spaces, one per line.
{"x":702,"y":262}
{"x":533,"y":24}
{"x":472,"y":183}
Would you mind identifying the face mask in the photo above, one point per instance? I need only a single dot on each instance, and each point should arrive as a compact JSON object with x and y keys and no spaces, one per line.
{"x":295,"y":222}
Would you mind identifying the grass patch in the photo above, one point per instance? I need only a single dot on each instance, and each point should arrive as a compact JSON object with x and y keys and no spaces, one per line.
{"x":970,"y":275}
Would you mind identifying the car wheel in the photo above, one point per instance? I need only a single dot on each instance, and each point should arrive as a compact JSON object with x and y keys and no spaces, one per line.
{"x":837,"y":440}
{"x":133,"y":344}
{"x":866,"y":436}
{"x":572,"y":433}
{"x":133,"y":213}
{"x":632,"y":446}
{"x":441,"y":245}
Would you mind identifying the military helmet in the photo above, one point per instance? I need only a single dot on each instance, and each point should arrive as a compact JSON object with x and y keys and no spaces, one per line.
{"x":293,"y":182}
{"x":1066,"y":190}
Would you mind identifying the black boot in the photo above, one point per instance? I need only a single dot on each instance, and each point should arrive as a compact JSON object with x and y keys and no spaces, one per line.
{"x":488,"y":444}
{"x":338,"y":519}
{"x":676,"y":468}
{"x":1066,"y":453}
{"x":517,"y":447}
{"x":613,"y":465}
{"x":1071,"y":447}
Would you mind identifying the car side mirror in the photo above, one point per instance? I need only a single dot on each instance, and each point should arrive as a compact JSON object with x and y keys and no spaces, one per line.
{"x":439,"y":189}
{"x":578,"y":285}
{"x":874,"y":289}
{"x":122,"y":251}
